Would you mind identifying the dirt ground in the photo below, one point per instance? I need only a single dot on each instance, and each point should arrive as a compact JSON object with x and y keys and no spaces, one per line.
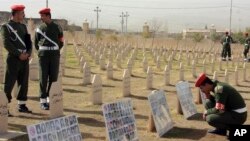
{"x":76,"y":99}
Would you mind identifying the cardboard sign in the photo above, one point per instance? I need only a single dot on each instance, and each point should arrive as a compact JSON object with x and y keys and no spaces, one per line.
{"x":160,"y":111}
{"x":186,"y":99}
{"x":120,"y":120}
{"x":59,"y":129}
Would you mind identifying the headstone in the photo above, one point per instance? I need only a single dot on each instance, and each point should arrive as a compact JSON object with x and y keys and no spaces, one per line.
{"x":244,"y":71}
{"x":33,"y":69}
{"x":181,"y":72}
{"x":3,"y":113}
{"x":4,"y":133}
{"x":109,"y":70}
{"x":204,"y":66}
{"x":194,"y":69}
{"x":96,"y":97}
{"x":118,"y":61}
{"x":56,"y":100}
{"x":215,"y":75}
{"x":97,"y":58}
{"x":86,"y":74}
{"x":102,"y":62}
{"x":151,"y":123}
{"x":158,"y":62}
{"x":59,"y":129}
{"x":160,"y":111}
{"x":126,"y":83}
{"x":15,"y":90}
{"x":226,"y":76}
{"x":236,"y":76}
{"x":149,"y":78}
{"x":188,"y":60}
{"x":130,"y":66}
{"x":186,"y":99}
{"x":145,"y":64}
{"x":220,"y":64}
{"x":1,"y":68}
{"x":212,"y":65}
{"x":167,"y":75}
{"x":120,"y":120}
{"x":82,"y":62}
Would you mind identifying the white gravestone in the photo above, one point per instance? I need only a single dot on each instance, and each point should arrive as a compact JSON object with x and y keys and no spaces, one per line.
{"x":86,"y":74}
{"x":167,"y":75}
{"x":126,"y":83}
{"x":56,"y":100}
{"x":160,"y":111}
{"x":4,"y":133}
{"x":120,"y":120}
{"x":96,"y":97}
{"x":102,"y":62}
{"x":236,"y":76}
{"x":186,"y":99}
{"x":33,"y":69}
{"x":145,"y":64}
{"x":59,"y":129}
{"x":109,"y":70}
{"x":149,"y":78}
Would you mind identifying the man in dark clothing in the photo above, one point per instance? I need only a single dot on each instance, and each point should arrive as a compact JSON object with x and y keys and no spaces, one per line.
{"x":48,"y":42}
{"x":226,"y":47}
{"x":17,"y":42}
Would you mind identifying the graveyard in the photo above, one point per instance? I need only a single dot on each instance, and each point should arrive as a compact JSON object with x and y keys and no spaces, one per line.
{"x":95,"y":72}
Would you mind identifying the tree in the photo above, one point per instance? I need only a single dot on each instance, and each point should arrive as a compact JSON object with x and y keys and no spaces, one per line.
{"x":198,"y":37}
{"x":98,"y":35}
{"x":239,"y":37}
{"x":215,"y":37}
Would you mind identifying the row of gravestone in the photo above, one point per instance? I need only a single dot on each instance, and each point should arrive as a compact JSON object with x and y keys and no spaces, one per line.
{"x":119,"y":117}
{"x":109,"y":67}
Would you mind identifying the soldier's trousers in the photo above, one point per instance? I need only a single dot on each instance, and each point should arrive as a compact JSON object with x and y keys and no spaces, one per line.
{"x":16,"y":71}
{"x":246,"y":50}
{"x":48,"y":73}
{"x":225,"y":119}
{"x":226,"y":51}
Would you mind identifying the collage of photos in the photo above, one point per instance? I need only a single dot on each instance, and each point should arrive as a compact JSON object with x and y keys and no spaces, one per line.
{"x":59,"y":129}
{"x":120,"y":120}
{"x":160,"y":111}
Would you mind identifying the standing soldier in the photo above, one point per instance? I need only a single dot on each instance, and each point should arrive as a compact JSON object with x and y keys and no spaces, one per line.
{"x":48,"y":42}
{"x":226,"y":47}
{"x":17,"y":42}
{"x":246,"y":45}
{"x":224,"y":105}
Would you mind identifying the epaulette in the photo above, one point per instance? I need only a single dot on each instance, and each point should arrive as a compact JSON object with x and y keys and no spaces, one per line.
{"x":218,"y":89}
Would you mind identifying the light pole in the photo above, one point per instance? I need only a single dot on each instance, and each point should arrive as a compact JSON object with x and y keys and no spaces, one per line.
{"x":47,"y":3}
{"x":230,"y":23}
{"x":97,"y":10}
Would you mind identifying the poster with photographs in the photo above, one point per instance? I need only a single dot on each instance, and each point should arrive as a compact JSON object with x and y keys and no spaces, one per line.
{"x":120,"y":121}
{"x":160,"y":111}
{"x":59,"y":129}
{"x":186,"y":99}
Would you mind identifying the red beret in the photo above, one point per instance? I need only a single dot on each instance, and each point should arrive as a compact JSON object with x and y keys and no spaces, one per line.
{"x":17,"y":7}
{"x":44,"y":11}
{"x":200,"y":79}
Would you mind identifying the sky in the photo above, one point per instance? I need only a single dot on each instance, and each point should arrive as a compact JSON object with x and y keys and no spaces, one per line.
{"x":170,"y":15}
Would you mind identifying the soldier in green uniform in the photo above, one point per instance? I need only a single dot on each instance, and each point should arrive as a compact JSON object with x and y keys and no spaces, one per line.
{"x":226,"y":47}
{"x":17,"y":42}
{"x":48,"y":42}
{"x":224,"y":105}
{"x":246,"y":47}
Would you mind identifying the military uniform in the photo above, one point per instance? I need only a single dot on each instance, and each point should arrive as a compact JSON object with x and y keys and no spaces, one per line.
{"x":225,"y":97}
{"x":226,"y":47}
{"x":224,"y":105}
{"x":246,"y":47}
{"x":48,"y":42}
{"x":16,"y":41}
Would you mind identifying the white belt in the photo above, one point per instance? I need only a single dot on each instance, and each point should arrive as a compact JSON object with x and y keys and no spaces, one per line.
{"x":48,"y":48}
{"x":21,"y":50}
{"x":240,"y":110}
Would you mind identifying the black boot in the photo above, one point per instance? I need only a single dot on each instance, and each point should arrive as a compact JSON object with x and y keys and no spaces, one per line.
{"x":22,"y":108}
{"x":44,"y":106}
{"x":217,"y":131}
